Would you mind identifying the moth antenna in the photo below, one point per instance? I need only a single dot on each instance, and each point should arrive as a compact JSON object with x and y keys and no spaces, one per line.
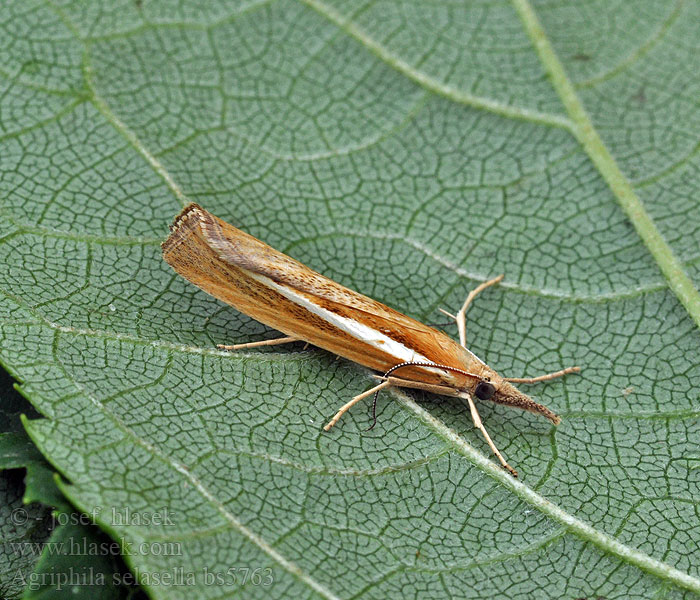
{"x":413,"y":364}
{"x":374,"y":411}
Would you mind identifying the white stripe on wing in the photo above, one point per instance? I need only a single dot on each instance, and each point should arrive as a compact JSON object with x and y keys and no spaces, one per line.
{"x":359,"y":331}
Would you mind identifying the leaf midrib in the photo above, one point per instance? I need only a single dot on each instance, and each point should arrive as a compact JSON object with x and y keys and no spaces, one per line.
{"x":621,"y":187}
{"x":580,"y":125}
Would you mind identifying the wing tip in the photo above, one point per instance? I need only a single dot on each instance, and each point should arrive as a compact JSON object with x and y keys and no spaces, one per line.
{"x":191,"y":210}
{"x":186,"y":220}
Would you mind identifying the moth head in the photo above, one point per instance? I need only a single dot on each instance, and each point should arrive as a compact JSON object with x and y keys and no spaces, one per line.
{"x":496,"y":389}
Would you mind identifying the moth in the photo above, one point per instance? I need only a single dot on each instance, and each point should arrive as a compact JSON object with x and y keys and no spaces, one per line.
{"x":284,"y":294}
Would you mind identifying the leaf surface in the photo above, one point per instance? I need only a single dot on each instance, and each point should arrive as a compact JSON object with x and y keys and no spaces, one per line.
{"x":409,"y":151}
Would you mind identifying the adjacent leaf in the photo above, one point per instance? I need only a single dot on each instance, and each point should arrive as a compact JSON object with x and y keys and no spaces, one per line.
{"x":23,"y":529}
{"x":47,"y":548}
{"x":12,"y":406}
{"x":410,"y":151}
{"x":80,"y":561}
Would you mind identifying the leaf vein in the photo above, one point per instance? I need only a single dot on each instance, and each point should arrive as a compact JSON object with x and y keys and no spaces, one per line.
{"x":430,"y":83}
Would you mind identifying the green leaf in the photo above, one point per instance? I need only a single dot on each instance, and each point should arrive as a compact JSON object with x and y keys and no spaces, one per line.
{"x":23,"y":530}
{"x":409,"y":151}
{"x":12,"y":406}
{"x":17,"y":450}
{"x":79,"y":561}
{"x":48,"y":550}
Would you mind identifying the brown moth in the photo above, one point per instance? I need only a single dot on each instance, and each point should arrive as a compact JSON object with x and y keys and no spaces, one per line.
{"x":286,"y":295}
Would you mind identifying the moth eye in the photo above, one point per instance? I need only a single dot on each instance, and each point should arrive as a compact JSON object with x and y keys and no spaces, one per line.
{"x":484,"y":390}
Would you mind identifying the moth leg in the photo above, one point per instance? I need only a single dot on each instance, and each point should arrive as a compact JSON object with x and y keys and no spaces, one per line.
{"x":543,"y":377}
{"x":282,"y":340}
{"x":480,"y":426}
{"x":460,"y":317}
{"x":354,"y":401}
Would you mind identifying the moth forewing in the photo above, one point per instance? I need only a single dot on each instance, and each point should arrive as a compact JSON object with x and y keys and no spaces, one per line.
{"x":286,"y":295}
